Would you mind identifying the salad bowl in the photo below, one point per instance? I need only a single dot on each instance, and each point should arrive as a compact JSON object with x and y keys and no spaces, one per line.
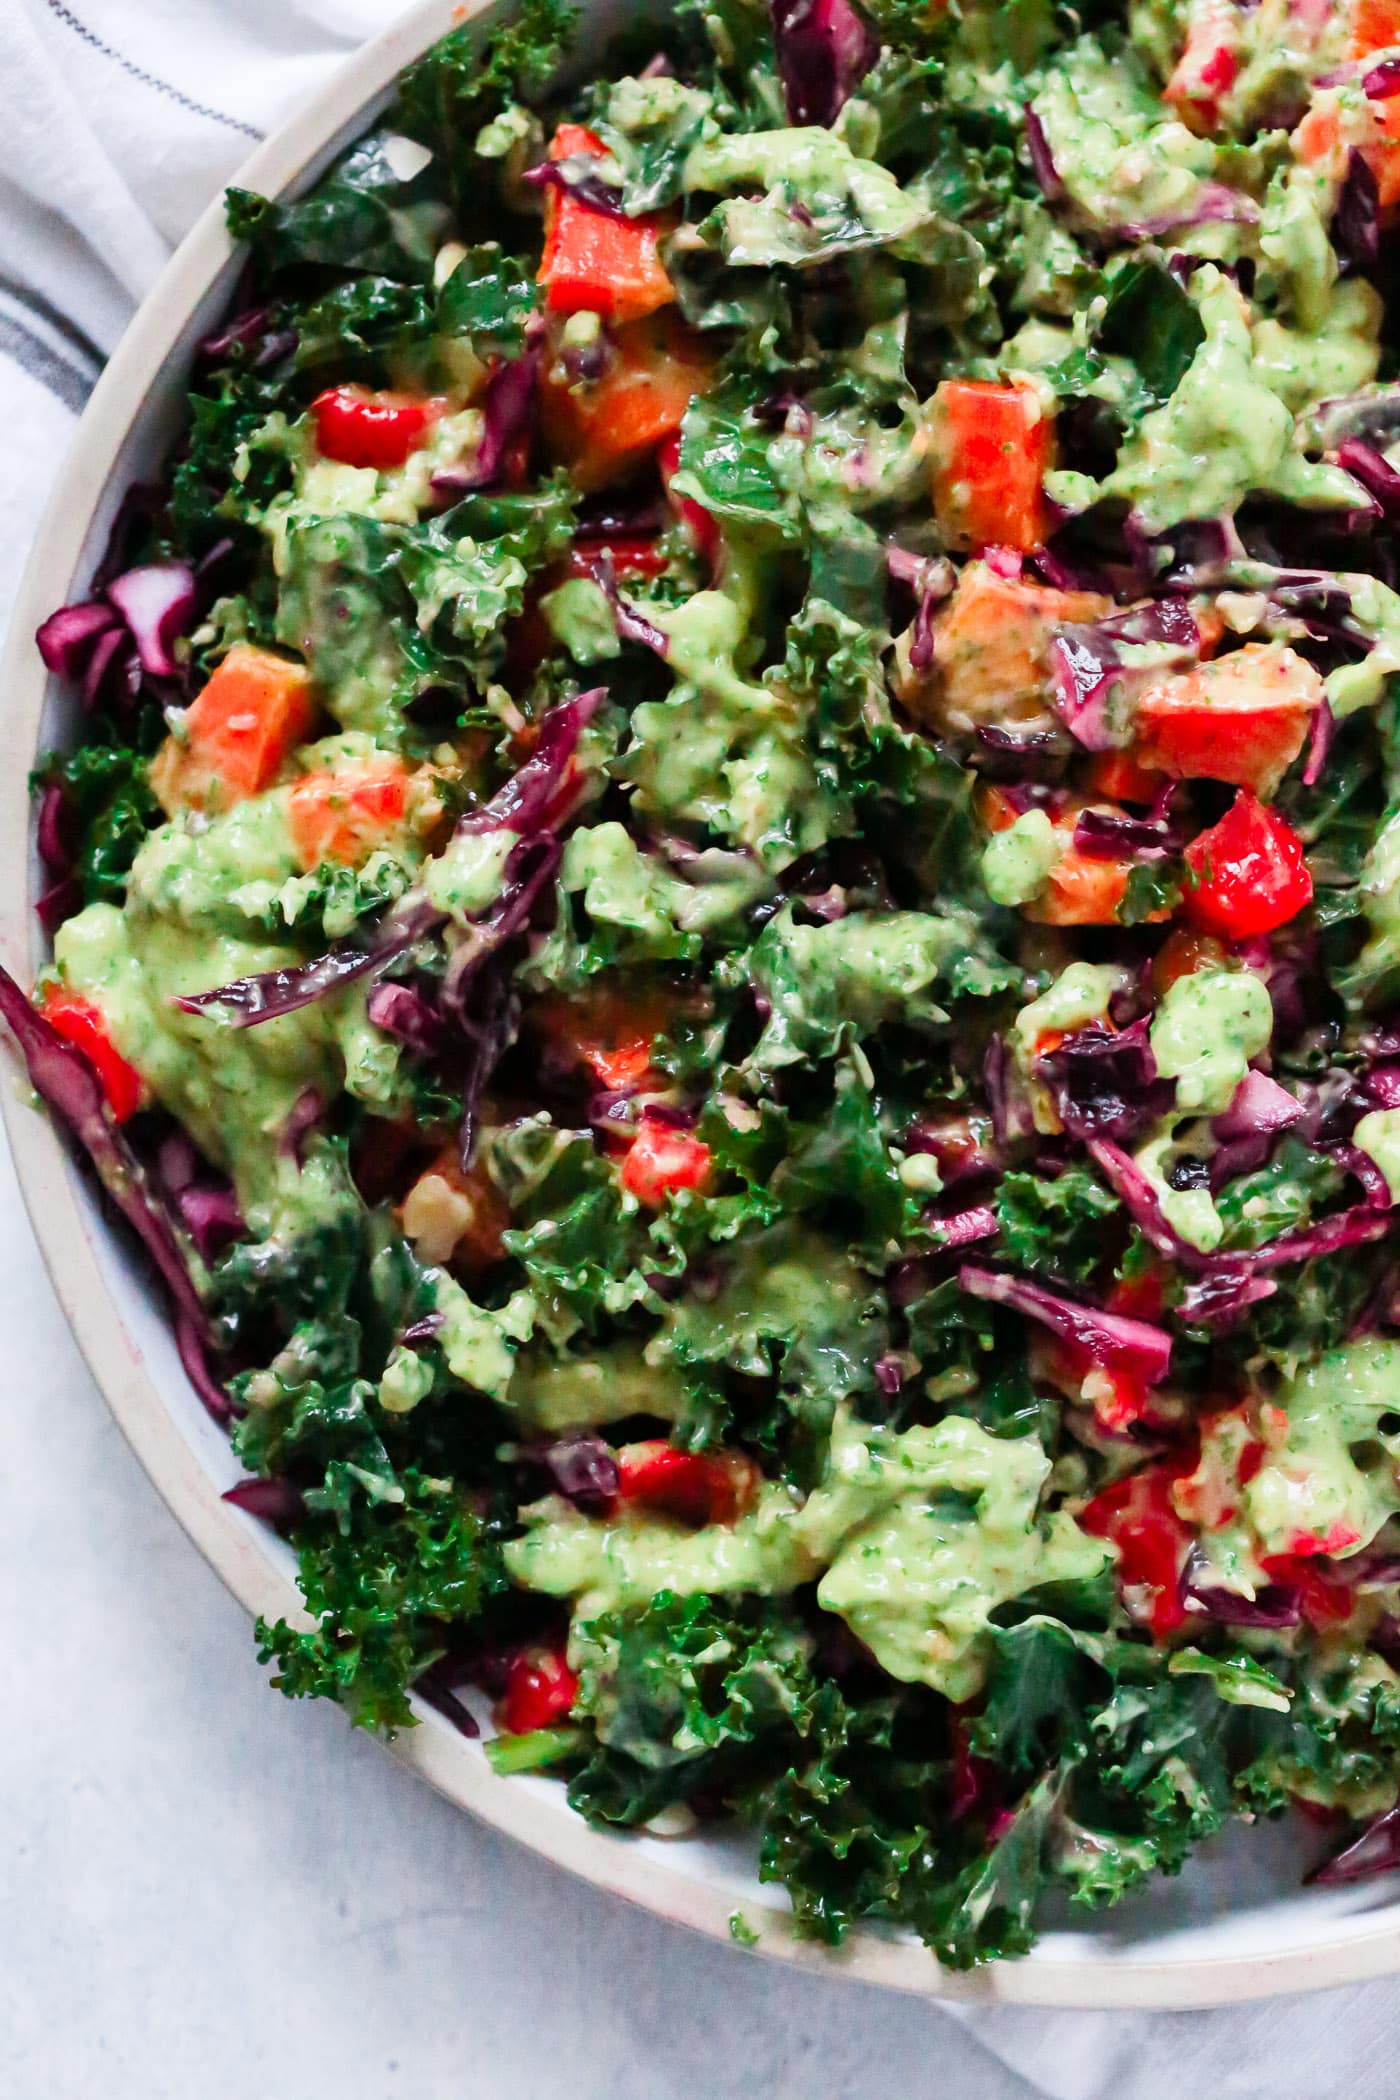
{"x":1235,"y":1925}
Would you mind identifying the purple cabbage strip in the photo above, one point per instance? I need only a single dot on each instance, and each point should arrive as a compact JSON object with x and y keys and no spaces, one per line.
{"x":932,"y":579}
{"x":1109,"y":1338}
{"x":965,"y":1226}
{"x":1104,"y":1082}
{"x":530,"y":868}
{"x":508,"y":409}
{"x":58,"y":903}
{"x":1373,"y":470}
{"x":578,"y":175}
{"x":631,"y":625}
{"x":1042,"y":159}
{"x":1107,"y":834}
{"x":1128,"y":1182}
{"x":409,"y":1016}
{"x":1276,"y":1606}
{"x":1383,"y":1086}
{"x":1375,"y":1851}
{"x":51,"y":831}
{"x":157,"y":603}
{"x":433,"y":1689}
{"x":824,"y":51}
{"x":277,"y":1502}
{"x":584,"y":1471}
{"x":1220,"y":1300}
{"x":306,"y":1112}
{"x":1006,"y":1097}
{"x":275,"y":992}
{"x":67,"y":637}
{"x":1258,"y":1107}
{"x":1093,"y":683}
{"x":63,"y":1078}
{"x":1320,"y":742}
{"x":1356,"y":222}
{"x":531,"y":799}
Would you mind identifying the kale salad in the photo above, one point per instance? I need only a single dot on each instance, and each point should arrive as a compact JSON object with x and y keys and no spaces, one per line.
{"x":729,"y":916}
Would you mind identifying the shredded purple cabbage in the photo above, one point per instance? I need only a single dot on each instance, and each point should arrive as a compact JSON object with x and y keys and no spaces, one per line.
{"x":276,"y":1502}
{"x":1258,"y":1107}
{"x":275,"y":992}
{"x":824,"y":51}
{"x":1374,"y":471}
{"x":965,"y":1226}
{"x":1109,"y":1338}
{"x":1375,"y":1851}
{"x":508,"y":411}
{"x":1382,"y":81}
{"x":408,"y":1015}
{"x":1095,"y":684}
{"x":580,"y":177}
{"x":67,"y":638}
{"x":1042,"y":159}
{"x":157,"y":603}
{"x":66,"y":1082}
{"x":1104,"y":1082}
{"x":584,"y":1471}
{"x":1356,"y":223}
{"x":537,"y":795}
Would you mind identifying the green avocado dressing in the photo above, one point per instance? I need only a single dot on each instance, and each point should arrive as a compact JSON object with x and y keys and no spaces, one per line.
{"x":916,"y":1538}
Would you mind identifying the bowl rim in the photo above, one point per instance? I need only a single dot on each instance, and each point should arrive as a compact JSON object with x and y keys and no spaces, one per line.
{"x":69,"y":1232}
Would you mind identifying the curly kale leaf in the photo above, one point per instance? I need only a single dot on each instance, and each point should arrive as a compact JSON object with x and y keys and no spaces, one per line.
{"x":385,"y":1593}
{"x":465,"y":79}
{"x":686,"y":1697}
{"x":364,"y":215}
{"x":1057,"y":1229}
{"x":109,"y":805}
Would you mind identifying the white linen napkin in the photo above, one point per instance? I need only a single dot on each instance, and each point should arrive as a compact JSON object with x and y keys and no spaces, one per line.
{"x":118,"y":120}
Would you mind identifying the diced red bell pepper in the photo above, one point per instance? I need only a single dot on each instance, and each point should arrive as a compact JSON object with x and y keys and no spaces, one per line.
{"x":593,"y":261}
{"x":1137,"y":1517}
{"x":694,"y":1487}
{"x":346,"y":815}
{"x":1241,"y":718}
{"x":540,"y":1690}
{"x":662,"y":1160}
{"x":993,"y":446}
{"x":1247,"y":875}
{"x":701,"y":524}
{"x":82,"y":1024}
{"x":630,"y":553}
{"x":1208,"y":65}
{"x":361,"y":429}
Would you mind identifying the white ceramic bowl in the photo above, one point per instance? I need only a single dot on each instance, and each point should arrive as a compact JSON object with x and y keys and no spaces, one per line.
{"x":1235,"y":1926}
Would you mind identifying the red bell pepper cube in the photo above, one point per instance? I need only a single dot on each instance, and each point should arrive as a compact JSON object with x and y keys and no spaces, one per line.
{"x":1247,"y":874}
{"x":80,"y":1023}
{"x":361,"y":429}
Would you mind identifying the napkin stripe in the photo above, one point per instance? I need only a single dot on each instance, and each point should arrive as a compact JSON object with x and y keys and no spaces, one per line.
{"x":66,"y":15}
{"x":42,"y":309}
{"x":34,"y":356}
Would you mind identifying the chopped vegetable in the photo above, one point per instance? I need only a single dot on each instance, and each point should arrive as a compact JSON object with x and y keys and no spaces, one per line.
{"x":1247,"y":875}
